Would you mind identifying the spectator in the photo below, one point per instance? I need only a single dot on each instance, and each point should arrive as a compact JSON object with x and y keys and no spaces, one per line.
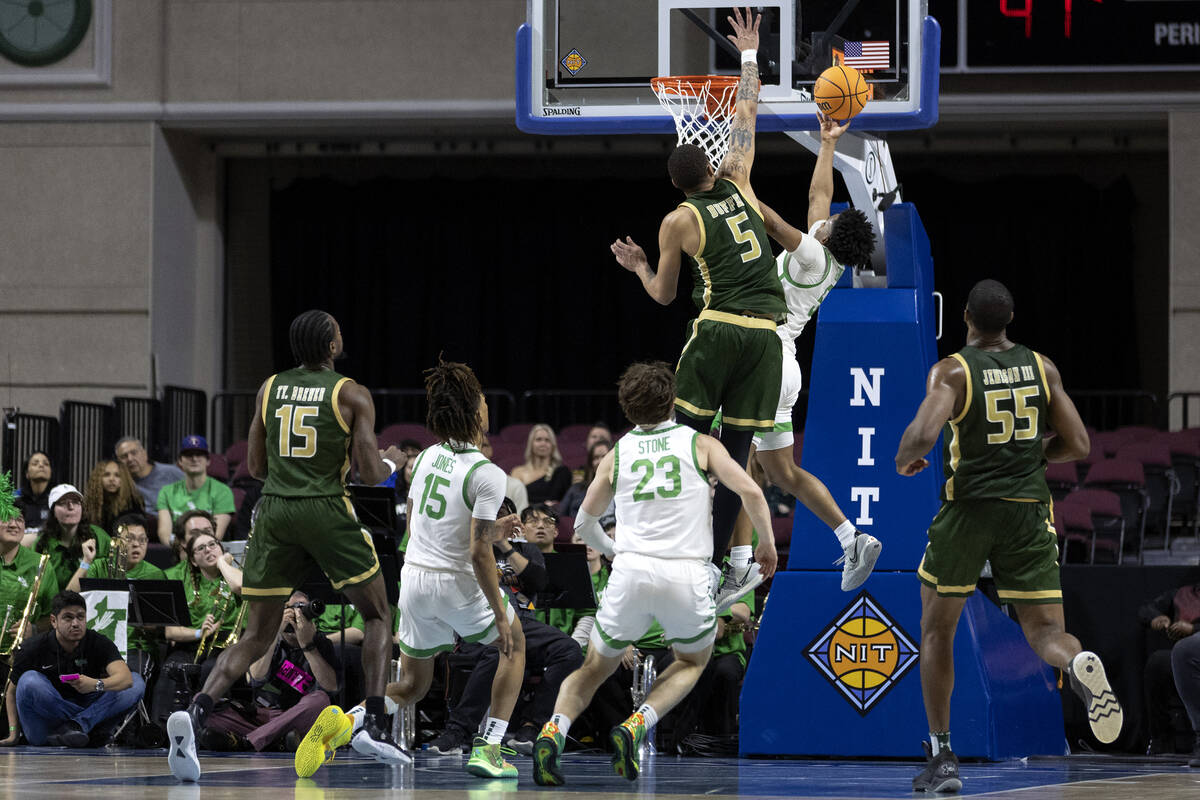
{"x":33,"y":498}
{"x":514,"y":490}
{"x":18,"y":570}
{"x":546,"y":479}
{"x":72,"y":685}
{"x":599,"y":432}
{"x":69,"y":536}
{"x":292,"y":682}
{"x":548,"y":652}
{"x":571,"y":501}
{"x":196,"y":492}
{"x":540,"y":524}
{"x":1174,"y":614}
{"x":142,"y":644}
{"x":187,"y":527}
{"x":1185,"y":664}
{"x":148,"y":475}
{"x":110,"y":493}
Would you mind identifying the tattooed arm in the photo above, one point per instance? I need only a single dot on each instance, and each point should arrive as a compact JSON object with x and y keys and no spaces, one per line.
{"x":740,"y":157}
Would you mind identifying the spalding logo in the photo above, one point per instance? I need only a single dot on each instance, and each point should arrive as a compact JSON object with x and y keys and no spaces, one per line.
{"x":863,"y":653}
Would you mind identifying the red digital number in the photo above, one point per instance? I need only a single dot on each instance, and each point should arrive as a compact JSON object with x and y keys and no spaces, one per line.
{"x":1025,"y":12}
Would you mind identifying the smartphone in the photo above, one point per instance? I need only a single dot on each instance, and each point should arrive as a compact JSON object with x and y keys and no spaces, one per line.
{"x":74,"y":676}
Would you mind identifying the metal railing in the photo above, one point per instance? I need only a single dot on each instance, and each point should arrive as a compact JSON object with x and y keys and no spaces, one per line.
{"x":230,"y":414}
{"x":140,"y":417}
{"x":85,"y":439}
{"x":559,"y":408}
{"x":24,"y":433}
{"x":184,"y":412}
{"x":1108,"y":410}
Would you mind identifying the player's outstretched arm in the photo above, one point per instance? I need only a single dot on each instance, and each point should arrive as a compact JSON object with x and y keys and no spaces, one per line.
{"x":599,"y":495}
{"x":663,"y":284}
{"x":820,"y":188}
{"x":256,"y":440}
{"x":783,"y":232}
{"x":1072,"y":442}
{"x":945,"y":385}
{"x":739,"y":159}
{"x":715,"y":458}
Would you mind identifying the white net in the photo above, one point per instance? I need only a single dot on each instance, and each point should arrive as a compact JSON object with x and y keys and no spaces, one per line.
{"x":702,"y":109}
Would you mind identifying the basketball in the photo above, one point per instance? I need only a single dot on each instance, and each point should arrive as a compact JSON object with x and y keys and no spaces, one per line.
{"x":840,"y":92}
{"x":863,"y":653}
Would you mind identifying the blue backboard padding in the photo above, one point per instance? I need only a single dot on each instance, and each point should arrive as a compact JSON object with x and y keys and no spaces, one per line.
{"x":1005,"y":703}
{"x":923,"y":117}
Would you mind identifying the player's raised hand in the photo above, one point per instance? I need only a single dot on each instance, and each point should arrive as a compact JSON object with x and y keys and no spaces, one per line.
{"x":744,"y":36}
{"x":629,"y":254}
{"x":912,"y":468}
{"x":830,"y":129}
{"x":504,"y":527}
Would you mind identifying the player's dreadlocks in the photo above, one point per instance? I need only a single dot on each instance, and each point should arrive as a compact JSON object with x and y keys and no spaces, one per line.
{"x":851,"y":239}
{"x":310,"y":335}
{"x":646,"y":392}
{"x":453,"y":392}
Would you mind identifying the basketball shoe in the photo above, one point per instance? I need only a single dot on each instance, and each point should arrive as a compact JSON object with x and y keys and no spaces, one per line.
{"x":1091,"y":684}
{"x":627,"y":740}
{"x":487,"y":760}
{"x":374,"y":740}
{"x":737,"y":581}
{"x":859,"y":560}
{"x":940,"y":773}
{"x":181,"y":744}
{"x":547,"y":769}
{"x":331,"y":730}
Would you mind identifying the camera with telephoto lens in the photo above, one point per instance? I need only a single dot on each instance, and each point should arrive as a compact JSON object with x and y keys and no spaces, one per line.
{"x":311,"y":609}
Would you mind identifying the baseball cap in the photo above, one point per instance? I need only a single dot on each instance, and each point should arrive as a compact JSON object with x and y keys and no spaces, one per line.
{"x":61,"y":491}
{"x":193,"y":443}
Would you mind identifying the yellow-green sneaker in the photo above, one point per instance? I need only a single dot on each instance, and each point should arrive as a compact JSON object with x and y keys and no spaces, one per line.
{"x":331,"y":730}
{"x":547,"y":771}
{"x":487,"y":760}
{"x":627,"y":739}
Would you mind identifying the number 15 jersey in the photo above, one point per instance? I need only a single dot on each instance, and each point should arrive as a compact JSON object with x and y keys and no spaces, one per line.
{"x":664,"y":504}
{"x":450,"y":485}
{"x":308,"y":442}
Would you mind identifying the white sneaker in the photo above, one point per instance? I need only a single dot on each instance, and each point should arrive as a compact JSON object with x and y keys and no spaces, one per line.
{"x":384,"y":752}
{"x":859,"y":560}
{"x":1091,"y":684}
{"x":737,"y":583}
{"x":181,"y":747}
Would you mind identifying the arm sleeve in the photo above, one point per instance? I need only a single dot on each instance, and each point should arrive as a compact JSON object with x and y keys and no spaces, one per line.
{"x":807,"y":264}
{"x":534,"y":577}
{"x":588,"y":528}
{"x":486,"y":488}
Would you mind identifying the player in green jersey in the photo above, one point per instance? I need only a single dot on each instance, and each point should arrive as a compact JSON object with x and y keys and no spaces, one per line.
{"x":996,"y":401}
{"x":311,"y":422}
{"x":733,"y":360}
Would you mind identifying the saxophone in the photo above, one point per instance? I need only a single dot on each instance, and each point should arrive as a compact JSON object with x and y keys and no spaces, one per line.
{"x":26,"y":619}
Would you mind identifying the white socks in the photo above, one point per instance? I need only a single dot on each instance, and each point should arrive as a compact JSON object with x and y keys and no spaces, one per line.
{"x":495,"y":729}
{"x":359,"y":712}
{"x":649,"y":714}
{"x":845,"y":533}
{"x":562,"y":722}
{"x":741,"y":555}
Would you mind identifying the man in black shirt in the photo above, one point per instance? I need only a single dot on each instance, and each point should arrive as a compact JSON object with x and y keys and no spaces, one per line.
{"x":71,"y":682}
{"x":292,"y":681}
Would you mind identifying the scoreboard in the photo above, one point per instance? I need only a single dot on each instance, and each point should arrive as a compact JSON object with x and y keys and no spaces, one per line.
{"x":1080,"y":35}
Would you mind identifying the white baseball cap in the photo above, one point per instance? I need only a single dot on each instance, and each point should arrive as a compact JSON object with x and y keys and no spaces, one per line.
{"x":61,"y":491}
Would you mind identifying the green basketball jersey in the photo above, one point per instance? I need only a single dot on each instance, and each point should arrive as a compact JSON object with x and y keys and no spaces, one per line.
{"x":733,"y":270}
{"x":308,"y":442}
{"x":993,"y":448}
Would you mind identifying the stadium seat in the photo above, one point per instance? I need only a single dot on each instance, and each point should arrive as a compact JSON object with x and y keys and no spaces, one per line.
{"x":517,"y":432}
{"x":1062,"y":478}
{"x":236,"y":453}
{"x":1108,"y":520}
{"x":1127,"y":480}
{"x":399,"y":431}
{"x":576,"y":432}
{"x":218,"y":467}
{"x":1185,"y":459}
{"x":1161,"y":483}
{"x":507,"y":455}
{"x":1076,"y":533}
{"x":239,"y":495}
{"x":241,"y":476}
{"x":566,"y":530}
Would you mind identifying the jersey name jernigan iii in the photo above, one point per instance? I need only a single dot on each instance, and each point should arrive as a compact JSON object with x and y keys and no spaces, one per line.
{"x":807,"y":275}
{"x":450,"y":485}
{"x":664,"y":508}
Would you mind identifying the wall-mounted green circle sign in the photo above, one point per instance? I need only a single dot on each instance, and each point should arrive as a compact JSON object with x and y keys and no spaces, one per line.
{"x":34,"y":33}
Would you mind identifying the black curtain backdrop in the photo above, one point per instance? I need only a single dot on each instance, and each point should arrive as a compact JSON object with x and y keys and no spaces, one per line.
{"x":504,"y":264}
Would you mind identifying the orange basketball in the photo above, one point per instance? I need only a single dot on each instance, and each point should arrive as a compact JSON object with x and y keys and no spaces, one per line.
{"x":840,"y":92}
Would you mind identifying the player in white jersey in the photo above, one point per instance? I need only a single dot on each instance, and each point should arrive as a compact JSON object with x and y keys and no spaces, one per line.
{"x":450,"y":584}
{"x":658,"y":475}
{"x":809,"y":266}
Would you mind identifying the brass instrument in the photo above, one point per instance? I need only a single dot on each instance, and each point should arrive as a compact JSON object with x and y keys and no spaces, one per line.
{"x":238,"y":624}
{"x":117,"y":563}
{"x":4,"y":629}
{"x":735,"y":625}
{"x":26,"y":619}
{"x":207,"y":642}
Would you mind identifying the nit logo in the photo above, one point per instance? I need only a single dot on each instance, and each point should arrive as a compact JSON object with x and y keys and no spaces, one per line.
{"x":573,"y":61}
{"x":863,"y":653}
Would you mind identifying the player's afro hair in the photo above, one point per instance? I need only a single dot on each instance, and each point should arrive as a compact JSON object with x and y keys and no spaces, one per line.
{"x":851,"y":238}
{"x":310,"y":335}
{"x":990,"y":305}
{"x":688,"y":167}
{"x":646,"y":392}
{"x":453,"y":392}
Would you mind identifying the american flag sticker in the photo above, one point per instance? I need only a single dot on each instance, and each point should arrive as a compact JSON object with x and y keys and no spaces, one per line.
{"x":868,"y":55}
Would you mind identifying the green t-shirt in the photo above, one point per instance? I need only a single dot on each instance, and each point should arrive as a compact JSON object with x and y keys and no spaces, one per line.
{"x":177,"y":571}
{"x":204,"y":598}
{"x":65,"y":565}
{"x":212,"y":496}
{"x":16,"y":580}
{"x":146,"y":639}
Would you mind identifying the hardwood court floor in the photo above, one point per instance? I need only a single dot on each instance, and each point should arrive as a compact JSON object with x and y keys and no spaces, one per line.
{"x":133,"y":775}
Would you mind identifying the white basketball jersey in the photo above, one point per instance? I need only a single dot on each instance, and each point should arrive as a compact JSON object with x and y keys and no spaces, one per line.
{"x":450,"y":485}
{"x":664,"y":506}
{"x":807,"y":275}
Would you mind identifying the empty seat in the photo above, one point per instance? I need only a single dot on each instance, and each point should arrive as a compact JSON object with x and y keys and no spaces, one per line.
{"x":1076,"y":533}
{"x":1062,"y":478}
{"x":399,"y":431}
{"x":218,"y":467}
{"x":1161,"y":483}
{"x":517,"y":432}
{"x":236,"y":453}
{"x":1108,"y":520}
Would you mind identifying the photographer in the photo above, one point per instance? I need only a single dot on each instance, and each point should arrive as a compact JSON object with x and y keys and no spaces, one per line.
{"x":292,"y":682}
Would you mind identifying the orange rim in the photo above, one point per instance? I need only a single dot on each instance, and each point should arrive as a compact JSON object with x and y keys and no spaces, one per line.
{"x":693,"y":85}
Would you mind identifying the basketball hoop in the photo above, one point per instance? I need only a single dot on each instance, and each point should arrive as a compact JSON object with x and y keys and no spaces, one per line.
{"x":702,"y":107}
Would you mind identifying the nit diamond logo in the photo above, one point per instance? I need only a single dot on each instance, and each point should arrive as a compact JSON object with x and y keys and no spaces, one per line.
{"x":863,"y":653}
{"x":573,"y":61}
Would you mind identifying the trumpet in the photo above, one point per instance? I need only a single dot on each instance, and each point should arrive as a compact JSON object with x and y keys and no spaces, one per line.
{"x":207,"y":642}
{"x":117,"y":563}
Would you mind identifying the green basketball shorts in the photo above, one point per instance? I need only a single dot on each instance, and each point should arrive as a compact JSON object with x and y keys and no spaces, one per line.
{"x":291,"y":534}
{"x":734,"y":364}
{"x":1018,"y":538}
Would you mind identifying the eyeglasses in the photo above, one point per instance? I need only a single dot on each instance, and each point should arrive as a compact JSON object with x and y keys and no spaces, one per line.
{"x":541,"y":522}
{"x":208,"y":546}
{"x":136,"y":540}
